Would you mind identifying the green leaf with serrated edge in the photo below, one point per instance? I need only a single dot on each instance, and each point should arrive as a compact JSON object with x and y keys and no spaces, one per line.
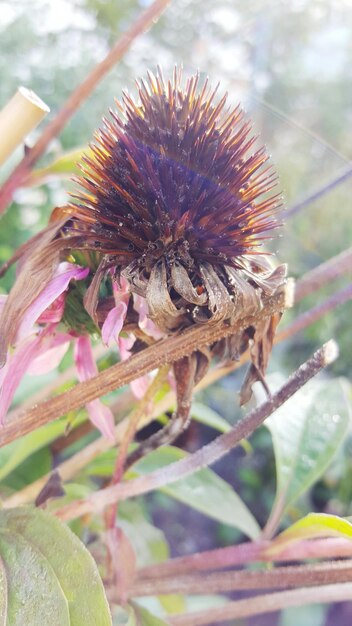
{"x":309,"y":527}
{"x":209,"y":417}
{"x":62,"y":563}
{"x":307,"y":432}
{"x":145,"y":618}
{"x":204,"y":491}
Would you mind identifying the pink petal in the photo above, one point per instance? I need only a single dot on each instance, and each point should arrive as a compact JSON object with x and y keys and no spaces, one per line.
{"x":99,"y":414}
{"x":54,"y":312}
{"x":139,"y":386}
{"x":113,"y":323}
{"x":121,"y":289}
{"x":15,"y":368}
{"x":144,"y":322}
{"x":65,"y":272}
{"x":125,"y":345}
{"x":52,"y":357}
{"x":3,"y":298}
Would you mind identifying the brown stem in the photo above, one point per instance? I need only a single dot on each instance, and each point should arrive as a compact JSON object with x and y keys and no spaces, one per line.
{"x":223,"y":582}
{"x":163,"y":352}
{"x":266,"y":603}
{"x":248,"y":552}
{"x":323,"y":274}
{"x":210,"y":453}
{"x":145,"y":20}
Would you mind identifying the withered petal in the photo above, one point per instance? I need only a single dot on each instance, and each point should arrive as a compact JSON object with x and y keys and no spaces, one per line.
{"x":220,"y":304}
{"x":247,"y":298}
{"x":35,"y":273}
{"x":90,"y":299}
{"x":181,"y":282}
{"x":161,"y":308}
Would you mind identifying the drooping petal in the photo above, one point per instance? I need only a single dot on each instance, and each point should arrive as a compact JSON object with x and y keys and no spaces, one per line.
{"x":49,"y":359}
{"x":113,"y":324}
{"x":53,"y":314}
{"x":15,"y":368}
{"x":99,"y":414}
{"x":140,"y":385}
{"x":56,"y":286}
{"x":144,"y":322}
{"x":125,"y":345}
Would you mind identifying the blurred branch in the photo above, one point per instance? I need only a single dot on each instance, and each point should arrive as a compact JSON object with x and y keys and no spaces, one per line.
{"x":77,"y":97}
{"x":314,"y":314}
{"x":161,"y":353}
{"x":323,"y":274}
{"x":248,"y":552}
{"x":322,"y":191}
{"x":222,"y":582}
{"x":209,"y":453}
{"x":266,"y":603}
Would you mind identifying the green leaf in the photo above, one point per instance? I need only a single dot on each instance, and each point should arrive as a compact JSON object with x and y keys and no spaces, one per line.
{"x":65,"y":165}
{"x":173,"y":603}
{"x":51,"y":577}
{"x":204,"y":491}
{"x":307,"y":432}
{"x":309,"y":527}
{"x":18,"y":451}
{"x":124,"y":616}
{"x":36,"y":466}
{"x":145,"y":618}
{"x":148,"y":541}
{"x":209,"y":417}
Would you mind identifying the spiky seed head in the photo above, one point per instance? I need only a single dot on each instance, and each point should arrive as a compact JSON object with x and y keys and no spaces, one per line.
{"x":178,"y":198}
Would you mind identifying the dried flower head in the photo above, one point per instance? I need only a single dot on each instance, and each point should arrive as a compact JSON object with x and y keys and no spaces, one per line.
{"x":176,"y":197}
{"x":174,"y":204}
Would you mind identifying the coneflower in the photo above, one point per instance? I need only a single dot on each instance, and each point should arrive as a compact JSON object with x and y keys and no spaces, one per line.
{"x":175,"y":201}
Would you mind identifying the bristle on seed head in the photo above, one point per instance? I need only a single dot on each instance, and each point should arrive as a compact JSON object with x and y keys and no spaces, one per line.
{"x":176,"y":175}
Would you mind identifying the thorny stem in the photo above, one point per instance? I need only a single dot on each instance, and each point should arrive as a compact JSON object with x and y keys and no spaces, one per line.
{"x":77,"y":97}
{"x":163,"y":352}
{"x":341,"y":178}
{"x":266,"y":603}
{"x":210,"y":453}
{"x":223,"y":582}
{"x":135,"y":417}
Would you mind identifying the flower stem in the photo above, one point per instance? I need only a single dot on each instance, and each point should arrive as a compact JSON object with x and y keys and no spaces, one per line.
{"x":210,"y":453}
